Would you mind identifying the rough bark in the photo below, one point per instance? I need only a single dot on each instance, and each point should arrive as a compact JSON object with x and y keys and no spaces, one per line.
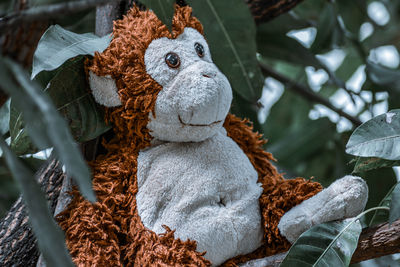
{"x":17,"y":242}
{"x":378,"y":241}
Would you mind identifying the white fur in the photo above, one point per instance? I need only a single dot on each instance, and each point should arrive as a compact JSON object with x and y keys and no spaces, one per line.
{"x":206,"y":191}
{"x":344,"y":198}
{"x":104,"y":90}
{"x":195,"y":98}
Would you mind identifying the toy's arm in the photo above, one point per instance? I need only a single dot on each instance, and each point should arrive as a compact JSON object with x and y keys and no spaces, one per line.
{"x":344,"y":198}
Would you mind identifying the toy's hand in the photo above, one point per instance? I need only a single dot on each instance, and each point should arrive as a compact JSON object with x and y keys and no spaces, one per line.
{"x":344,"y":198}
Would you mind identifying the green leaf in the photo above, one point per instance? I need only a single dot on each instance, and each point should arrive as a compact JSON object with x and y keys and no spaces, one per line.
{"x":164,"y":9}
{"x":383,"y":76}
{"x":367,"y":164}
{"x":5,"y":118}
{"x":328,"y":244}
{"x":325,"y":29}
{"x":279,"y":46}
{"x":57,"y":45}
{"x":21,"y":143}
{"x":381,"y":216}
{"x":353,"y":13}
{"x":231,"y":36}
{"x":378,"y":137}
{"x":49,"y":236}
{"x":395,"y":204}
{"x":44,"y":124}
{"x":69,"y":93}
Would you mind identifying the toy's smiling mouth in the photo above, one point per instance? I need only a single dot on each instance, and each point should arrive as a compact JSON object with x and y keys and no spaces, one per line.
{"x":197,"y":125}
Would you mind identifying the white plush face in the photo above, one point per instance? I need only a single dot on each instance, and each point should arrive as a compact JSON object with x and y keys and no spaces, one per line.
{"x":196,"y":96}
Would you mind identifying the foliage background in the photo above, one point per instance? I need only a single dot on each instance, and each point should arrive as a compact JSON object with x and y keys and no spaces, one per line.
{"x":345,"y":52}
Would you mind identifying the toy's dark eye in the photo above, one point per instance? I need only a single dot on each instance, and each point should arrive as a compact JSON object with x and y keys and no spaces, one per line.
{"x":199,"y":49}
{"x":172,"y":60}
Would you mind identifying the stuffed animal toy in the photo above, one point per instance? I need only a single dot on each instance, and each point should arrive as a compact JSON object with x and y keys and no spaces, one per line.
{"x":184,"y":182}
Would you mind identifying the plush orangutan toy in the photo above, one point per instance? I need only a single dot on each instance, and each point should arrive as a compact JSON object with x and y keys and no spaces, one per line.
{"x":184,"y":182}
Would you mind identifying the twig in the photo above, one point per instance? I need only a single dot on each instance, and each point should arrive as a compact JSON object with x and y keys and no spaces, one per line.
{"x":46,"y":12}
{"x":307,"y":93}
{"x":375,"y":242}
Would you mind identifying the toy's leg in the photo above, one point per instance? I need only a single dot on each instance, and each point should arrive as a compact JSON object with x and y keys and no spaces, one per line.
{"x":344,"y":198}
{"x":90,"y":234}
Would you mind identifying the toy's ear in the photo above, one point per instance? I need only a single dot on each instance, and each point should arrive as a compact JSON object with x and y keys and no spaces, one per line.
{"x":104,"y":90}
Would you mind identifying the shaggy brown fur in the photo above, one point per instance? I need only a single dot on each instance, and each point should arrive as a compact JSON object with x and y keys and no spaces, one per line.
{"x":110,"y":232}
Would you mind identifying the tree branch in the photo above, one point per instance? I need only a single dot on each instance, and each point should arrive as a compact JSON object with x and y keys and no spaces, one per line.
{"x":375,"y":242}
{"x":46,"y":12}
{"x":307,"y":93}
{"x":265,"y":10}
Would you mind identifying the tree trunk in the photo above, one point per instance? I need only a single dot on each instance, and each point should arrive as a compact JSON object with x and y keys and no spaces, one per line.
{"x":17,"y":242}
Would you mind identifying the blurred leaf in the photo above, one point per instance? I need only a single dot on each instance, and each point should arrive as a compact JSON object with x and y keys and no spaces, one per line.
{"x":8,"y":189}
{"x":378,"y":137}
{"x":21,"y":143}
{"x":367,"y":164}
{"x":57,"y":45}
{"x":284,"y":23}
{"x":395,"y":204}
{"x":231,"y":36}
{"x":44,"y":124}
{"x":310,"y":9}
{"x":350,"y":64}
{"x":327,"y":244}
{"x":164,"y":9}
{"x":325,"y":28}
{"x":49,"y":236}
{"x":379,"y":182}
{"x":353,"y":13}
{"x":5,"y":118}
{"x":381,"y":216}
{"x":81,"y":22}
{"x":383,"y":76}
{"x":279,"y":46}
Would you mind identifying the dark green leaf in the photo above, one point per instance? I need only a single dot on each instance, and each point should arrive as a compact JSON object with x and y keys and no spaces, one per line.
{"x":381,"y":216}
{"x":279,"y":46}
{"x":44,"y":124}
{"x":5,"y":118}
{"x":21,"y":143}
{"x":367,"y":164}
{"x":328,"y":244}
{"x":70,"y":94}
{"x":395,"y":204}
{"x":49,"y":236}
{"x":378,"y":137}
{"x":231,"y":36}
{"x":164,"y":10}
{"x":353,"y":13}
{"x":383,"y":76}
{"x":57,"y":45}
{"x":325,"y":29}
{"x":349,"y":65}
